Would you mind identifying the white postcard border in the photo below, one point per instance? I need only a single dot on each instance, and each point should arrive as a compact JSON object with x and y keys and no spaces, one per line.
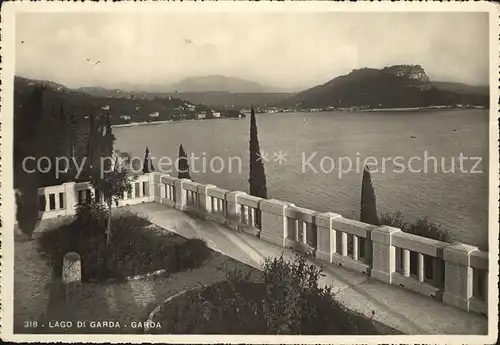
{"x":8,"y":11}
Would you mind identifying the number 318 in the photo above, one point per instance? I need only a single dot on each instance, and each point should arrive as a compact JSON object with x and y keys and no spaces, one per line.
{"x":30,"y":324}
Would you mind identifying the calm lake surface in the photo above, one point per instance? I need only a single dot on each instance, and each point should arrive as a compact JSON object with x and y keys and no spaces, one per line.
{"x":458,"y":200}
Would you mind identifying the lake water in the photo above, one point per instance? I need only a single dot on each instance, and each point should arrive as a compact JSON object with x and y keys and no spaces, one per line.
{"x":458,"y":199}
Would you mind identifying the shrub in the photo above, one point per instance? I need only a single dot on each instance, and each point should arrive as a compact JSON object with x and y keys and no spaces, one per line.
{"x":288,"y":300}
{"x":27,"y":206}
{"x":91,"y":217}
{"x":187,"y":317}
{"x":295,"y":303}
{"x":133,"y":250}
{"x":191,"y":253}
{"x":393,"y":219}
{"x":422,"y":226}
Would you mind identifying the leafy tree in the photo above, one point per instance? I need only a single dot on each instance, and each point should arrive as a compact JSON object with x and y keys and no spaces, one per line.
{"x":257,"y":177}
{"x":368,"y":200}
{"x":110,"y":180}
{"x":112,"y":186}
{"x":147,"y":166}
{"x":183,"y":164}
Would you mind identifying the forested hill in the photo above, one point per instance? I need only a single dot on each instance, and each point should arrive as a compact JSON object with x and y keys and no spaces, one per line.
{"x":51,"y":120}
{"x":81,"y":103}
{"x":399,"y":86}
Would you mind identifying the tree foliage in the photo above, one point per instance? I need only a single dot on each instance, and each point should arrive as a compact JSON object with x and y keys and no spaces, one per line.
{"x":108,"y":176}
{"x":183,"y":164}
{"x":368,"y":200}
{"x":27,"y":139}
{"x":421,"y":227}
{"x":147,"y":165}
{"x":286,"y":299}
{"x":257,"y":178}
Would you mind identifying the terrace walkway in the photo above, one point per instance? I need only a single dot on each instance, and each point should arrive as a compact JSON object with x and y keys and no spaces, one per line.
{"x":393,"y":306}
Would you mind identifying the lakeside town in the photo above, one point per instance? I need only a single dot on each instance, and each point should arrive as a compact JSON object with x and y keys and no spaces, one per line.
{"x":189,"y":112}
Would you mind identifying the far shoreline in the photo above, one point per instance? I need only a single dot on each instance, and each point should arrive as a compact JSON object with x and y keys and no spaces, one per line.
{"x":133,"y":124}
{"x":418,"y":109}
{"x":414,"y":109}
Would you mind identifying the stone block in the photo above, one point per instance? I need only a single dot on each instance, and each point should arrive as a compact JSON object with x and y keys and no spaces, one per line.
{"x":71,"y":276}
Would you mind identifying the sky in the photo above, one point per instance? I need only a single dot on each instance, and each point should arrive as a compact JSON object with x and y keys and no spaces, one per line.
{"x":280,"y":49}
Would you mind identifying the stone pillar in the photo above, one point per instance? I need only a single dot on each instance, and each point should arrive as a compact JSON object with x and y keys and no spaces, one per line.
{"x":383,"y":253}
{"x":458,"y":280}
{"x":214,"y":204}
{"x":406,"y":262}
{"x":304,"y":232}
{"x":355,"y":247}
{"x":205,"y":202}
{"x":71,"y":276}
{"x":344,"y":243}
{"x":274,"y":221}
{"x":233,"y":209}
{"x":296,"y":230}
{"x":327,"y":237}
{"x":154,"y":187}
{"x":70,"y":198}
{"x":157,"y":189}
{"x":132,"y":190}
{"x":221,"y":207}
{"x":420,"y":268}
{"x":180,"y":194}
{"x":245,"y":216}
{"x":252,"y":217}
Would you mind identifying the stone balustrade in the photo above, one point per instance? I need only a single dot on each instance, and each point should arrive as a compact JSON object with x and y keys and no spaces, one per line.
{"x":456,"y":273}
{"x":56,"y":201}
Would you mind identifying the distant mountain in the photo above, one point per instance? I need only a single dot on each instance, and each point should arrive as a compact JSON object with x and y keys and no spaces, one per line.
{"x":462,"y":88}
{"x":214,"y":90}
{"x":399,"y":86}
{"x":34,"y":82}
{"x":219,"y":83}
{"x":218,"y":99}
{"x":228,"y":99}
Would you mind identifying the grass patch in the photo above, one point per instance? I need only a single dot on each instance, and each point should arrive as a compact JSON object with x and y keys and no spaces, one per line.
{"x":134,"y":248}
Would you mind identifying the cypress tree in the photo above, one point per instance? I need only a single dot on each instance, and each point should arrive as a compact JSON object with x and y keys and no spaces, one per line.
{"x":183,"y":165}
{"x":90,"y":140}
{"x":28,"y":137}
{"x":147,"y":166}
{"x":257,"y":177}
{"x":65,"y":144}
{"x":109,"y":137}
{"x":73,"y":129}
{"x":368,"y":200}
